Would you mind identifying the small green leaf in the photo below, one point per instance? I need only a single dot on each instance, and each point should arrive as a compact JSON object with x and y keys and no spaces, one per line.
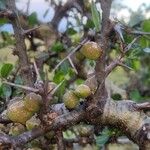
{"x":144,"y":42}
{"x":71,"y":31}
{"x":95,"y":16}
{"x":32,"y":19}
{"x":146,"y":26}
{"x":103,"y":138}
{"x":135,"y":95}
{"x":6,"y":70}
{"x":116,"y":96}
{"x":3,"y":21}
{"x":57,"y":47}
{"x":6,"y":91}
{"x":89,"y":24}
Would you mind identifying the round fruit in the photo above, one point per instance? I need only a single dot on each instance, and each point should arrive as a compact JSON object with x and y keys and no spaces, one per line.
{"x":18,"y":113}
{"x":32,"y":102}
{"x":32,"y":123}
{"x":17,"y":129}
{"x":91,"y":50}
{"x":79,"y":56}
{"x":83,"y":91}
{"x":70,"y":100}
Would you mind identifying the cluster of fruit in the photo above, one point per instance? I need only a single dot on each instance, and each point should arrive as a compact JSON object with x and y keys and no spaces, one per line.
{"x":92,"y":51}
{"x":72,"y":98}
{"x":23,"y":110}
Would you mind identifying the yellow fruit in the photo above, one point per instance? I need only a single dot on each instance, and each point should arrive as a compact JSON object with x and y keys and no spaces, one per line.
{"x":17,"y":129}
{"x":83,"y":91}
{"x":17,"y":112}
{"x":70,"y":100}
{"x":91,"y":50}
{"x":32,"y":102}
{"x":32,"y":123}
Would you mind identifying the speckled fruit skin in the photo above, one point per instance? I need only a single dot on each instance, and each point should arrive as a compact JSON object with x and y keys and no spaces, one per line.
{"x":70,"y":100}
{"x":32,"y":123}
{"x":17,"y":129}
{"x":83,"y":91}
{"x":32,"y":102}
{"x":91,"y":50}
{"x":18,"y":113}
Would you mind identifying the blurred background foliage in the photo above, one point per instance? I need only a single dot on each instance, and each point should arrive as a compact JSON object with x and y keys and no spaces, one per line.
{"x":133,"y":83}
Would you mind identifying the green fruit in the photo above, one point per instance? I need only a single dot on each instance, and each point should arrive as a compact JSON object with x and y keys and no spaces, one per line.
{"x":32,"y":123}
{"x":18,"y":113}
{"x":70,"y":100}
{"x":79,"y":56}
{"x":91,"y":50}
{"x":83,"y":91}
{"x":32,"y":102}
{"x":17,"y":129}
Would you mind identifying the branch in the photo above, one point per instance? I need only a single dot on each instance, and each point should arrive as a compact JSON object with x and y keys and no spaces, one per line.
{"x":7,"y":14}
{"x":144,"y":106}
{"x":26,"y":71}
{"x":62,"y":121}
{"x":21,"y":86}
{"x":125,"y":115}
{"x":118,"y":61}
{"x":61,"y":11}
{"x":103,"y":41}
{"x":60,"y":140}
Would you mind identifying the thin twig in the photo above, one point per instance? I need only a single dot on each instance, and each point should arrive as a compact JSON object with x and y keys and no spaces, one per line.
{"x":140,"y":32}
{"x":70,"y":54}
{"x":143,"y":106}
{"x":30,"y":30}
{"x":130,"y":44}
{"x":73,"y":66}
{"x":21,"y":86}
{"x":37,"y":71}
{"x":56,"y":88}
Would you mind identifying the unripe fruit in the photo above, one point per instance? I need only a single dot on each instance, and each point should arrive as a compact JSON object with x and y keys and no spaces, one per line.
{"x":70,"y":100}
{"x":32,"y":102}
{"x":83,"y":91}
{"x":18,"y":113}
{"x":17,"y":129}
{"x":91,"y":50}
{"x":32,"y":123}
{"x":79,"y":56}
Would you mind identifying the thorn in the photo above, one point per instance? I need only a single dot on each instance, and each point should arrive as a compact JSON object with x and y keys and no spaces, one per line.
{"x":123,"y":65}
{"x":21,"y":86}
{"x":118,"y":28}
{"x":57,"y":87}
{"x":30,"y":30}
{"x":73,"y":66}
